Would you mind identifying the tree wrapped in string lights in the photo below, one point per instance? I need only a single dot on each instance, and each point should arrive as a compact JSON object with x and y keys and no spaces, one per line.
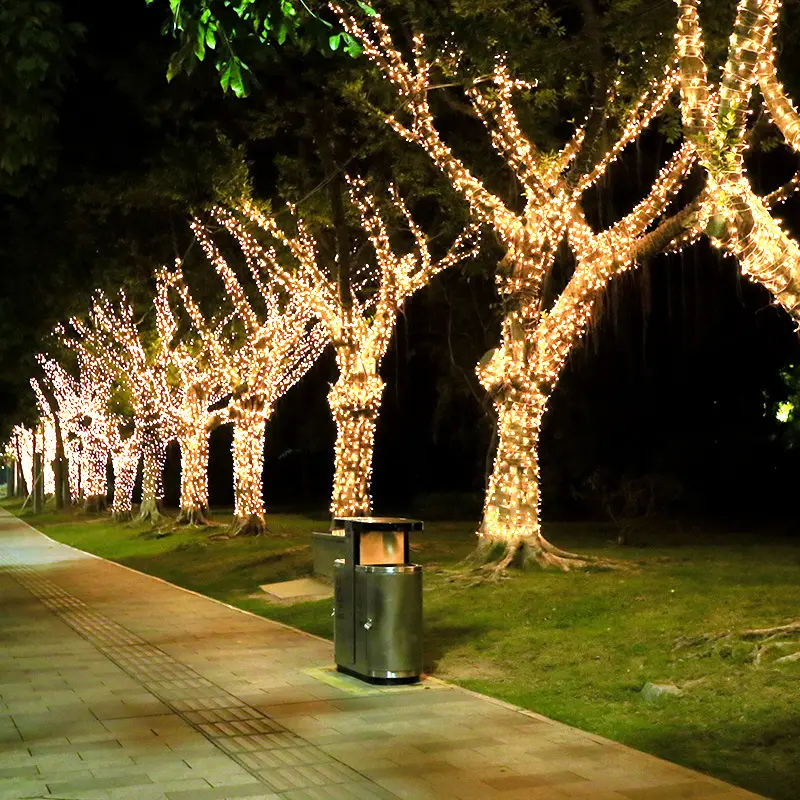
{"x":83,"y":404}
{"x":27,"y":443}
{"x":277,"y":345}
{"x":122,"y":436}
{"x":22,"y":445}
{"x":715,"y":119}
{"x":537,"y":335}
{"x":116,"y":338}
{"x":358,"y":308}
{"x":194,"y":379}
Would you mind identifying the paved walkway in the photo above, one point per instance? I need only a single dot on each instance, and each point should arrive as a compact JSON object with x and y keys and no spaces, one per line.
{"x":117,"y":685}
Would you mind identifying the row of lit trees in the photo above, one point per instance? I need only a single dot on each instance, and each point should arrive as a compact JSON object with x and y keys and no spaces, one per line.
{"x":194,"y":372}
{"x":203,"y":373}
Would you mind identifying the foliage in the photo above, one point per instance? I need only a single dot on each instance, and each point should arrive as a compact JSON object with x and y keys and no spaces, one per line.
{"x":237,"y":33}
{"x":35,"y":47}
{"x":787,"y":409}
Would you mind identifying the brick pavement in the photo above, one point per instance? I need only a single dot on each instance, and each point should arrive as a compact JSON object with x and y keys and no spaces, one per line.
{"x":114,"y":684}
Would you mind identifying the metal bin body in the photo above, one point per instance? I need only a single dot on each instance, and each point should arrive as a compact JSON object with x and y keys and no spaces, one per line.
{"x":378,"y":606}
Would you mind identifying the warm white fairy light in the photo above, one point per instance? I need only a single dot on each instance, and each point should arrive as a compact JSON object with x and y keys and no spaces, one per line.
{"x":360,"y":329}
{"x":23,"y":446}
{"x":82,"y":409}
{"x":778,"y":104}
{"x":535,"y":343}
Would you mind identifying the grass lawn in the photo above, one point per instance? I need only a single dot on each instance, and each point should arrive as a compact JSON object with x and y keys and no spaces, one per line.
{"x":576,"y":647}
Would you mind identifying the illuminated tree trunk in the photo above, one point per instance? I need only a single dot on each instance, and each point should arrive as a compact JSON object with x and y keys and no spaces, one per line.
{"x":194,"y":477}
{"x":510,"y":533}
{"x":126,"y":464}
{"x":249,"y":428}
{"x":355,"y":401}
{"x":95,"y":481}
{"x":154,"y":452}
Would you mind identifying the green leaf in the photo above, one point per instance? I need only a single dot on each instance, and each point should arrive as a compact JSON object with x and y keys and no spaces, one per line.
{"x":351,"y":46}
{"x":200,"y":43}
{"x":225,"y":76}
{"x":236,"y":82}
{"x":334,"y":40}
{"x":717,"y":226}
{"x":367,"y":9}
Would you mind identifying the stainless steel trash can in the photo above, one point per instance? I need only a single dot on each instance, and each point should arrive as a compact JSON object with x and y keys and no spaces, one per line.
{"x":378,"y":602}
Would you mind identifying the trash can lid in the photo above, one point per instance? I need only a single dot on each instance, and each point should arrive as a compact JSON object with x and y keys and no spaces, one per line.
{"x":378,"y":523}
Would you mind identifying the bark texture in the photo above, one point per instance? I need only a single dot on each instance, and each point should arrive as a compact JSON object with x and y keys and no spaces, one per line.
{"x":154,"y":452}
{"x":194,"y":478}
{"x":248,"y":464}
{"x":355,"y":404}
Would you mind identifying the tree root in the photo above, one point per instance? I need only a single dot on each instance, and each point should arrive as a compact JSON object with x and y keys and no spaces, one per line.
{"x":150,"y":512}
{"x":193,"y":517}
{"x":95,"y":503}
{"x":253,"y":525}
{"x":492,"y":559}
{"x":751,"y":646}
{"x":122,"y":516}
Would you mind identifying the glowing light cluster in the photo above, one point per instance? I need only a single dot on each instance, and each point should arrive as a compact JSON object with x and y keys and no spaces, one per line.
{"x":82,"y":410}
{"x":358,"y":321}
{"x":26,"y":443}
{"x":126,"y":452}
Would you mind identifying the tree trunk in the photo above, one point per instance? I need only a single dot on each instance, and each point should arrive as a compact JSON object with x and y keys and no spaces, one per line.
{"x":355,"y":404}
{"x":74,"y":471}
{"x":38,"y":481}
{"x":126,"y":465}
{"x":194,"y":477}
{"x":60,"y":462}
{"x":510,"y":533}
{"x":95,"y":480}
{"x":22,"y":489}
{"x":154,"y":452}
{"x":248,"y":466}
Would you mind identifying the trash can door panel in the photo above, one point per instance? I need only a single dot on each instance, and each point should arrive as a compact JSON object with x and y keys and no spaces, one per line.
{"x":344,"y":615}
{"x":393,"y":623}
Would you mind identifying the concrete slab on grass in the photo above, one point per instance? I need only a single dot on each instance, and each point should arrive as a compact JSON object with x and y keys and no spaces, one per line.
{"x":298,"y":591}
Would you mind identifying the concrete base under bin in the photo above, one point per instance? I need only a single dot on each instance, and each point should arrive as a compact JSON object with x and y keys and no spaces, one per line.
{"x":379,"y":681}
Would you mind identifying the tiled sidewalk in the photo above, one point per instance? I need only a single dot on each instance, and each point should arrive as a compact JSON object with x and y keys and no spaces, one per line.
{"x":117,"y":685}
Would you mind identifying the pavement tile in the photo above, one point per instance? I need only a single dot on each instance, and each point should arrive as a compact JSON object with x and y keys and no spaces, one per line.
{"x":16,"y":788}
{"x":257,"y":790}
{"x":19,"y":772}
{"x":87,"y":784}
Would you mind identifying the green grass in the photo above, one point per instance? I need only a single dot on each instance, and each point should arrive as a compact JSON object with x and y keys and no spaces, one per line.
{"x":576,"y":647}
